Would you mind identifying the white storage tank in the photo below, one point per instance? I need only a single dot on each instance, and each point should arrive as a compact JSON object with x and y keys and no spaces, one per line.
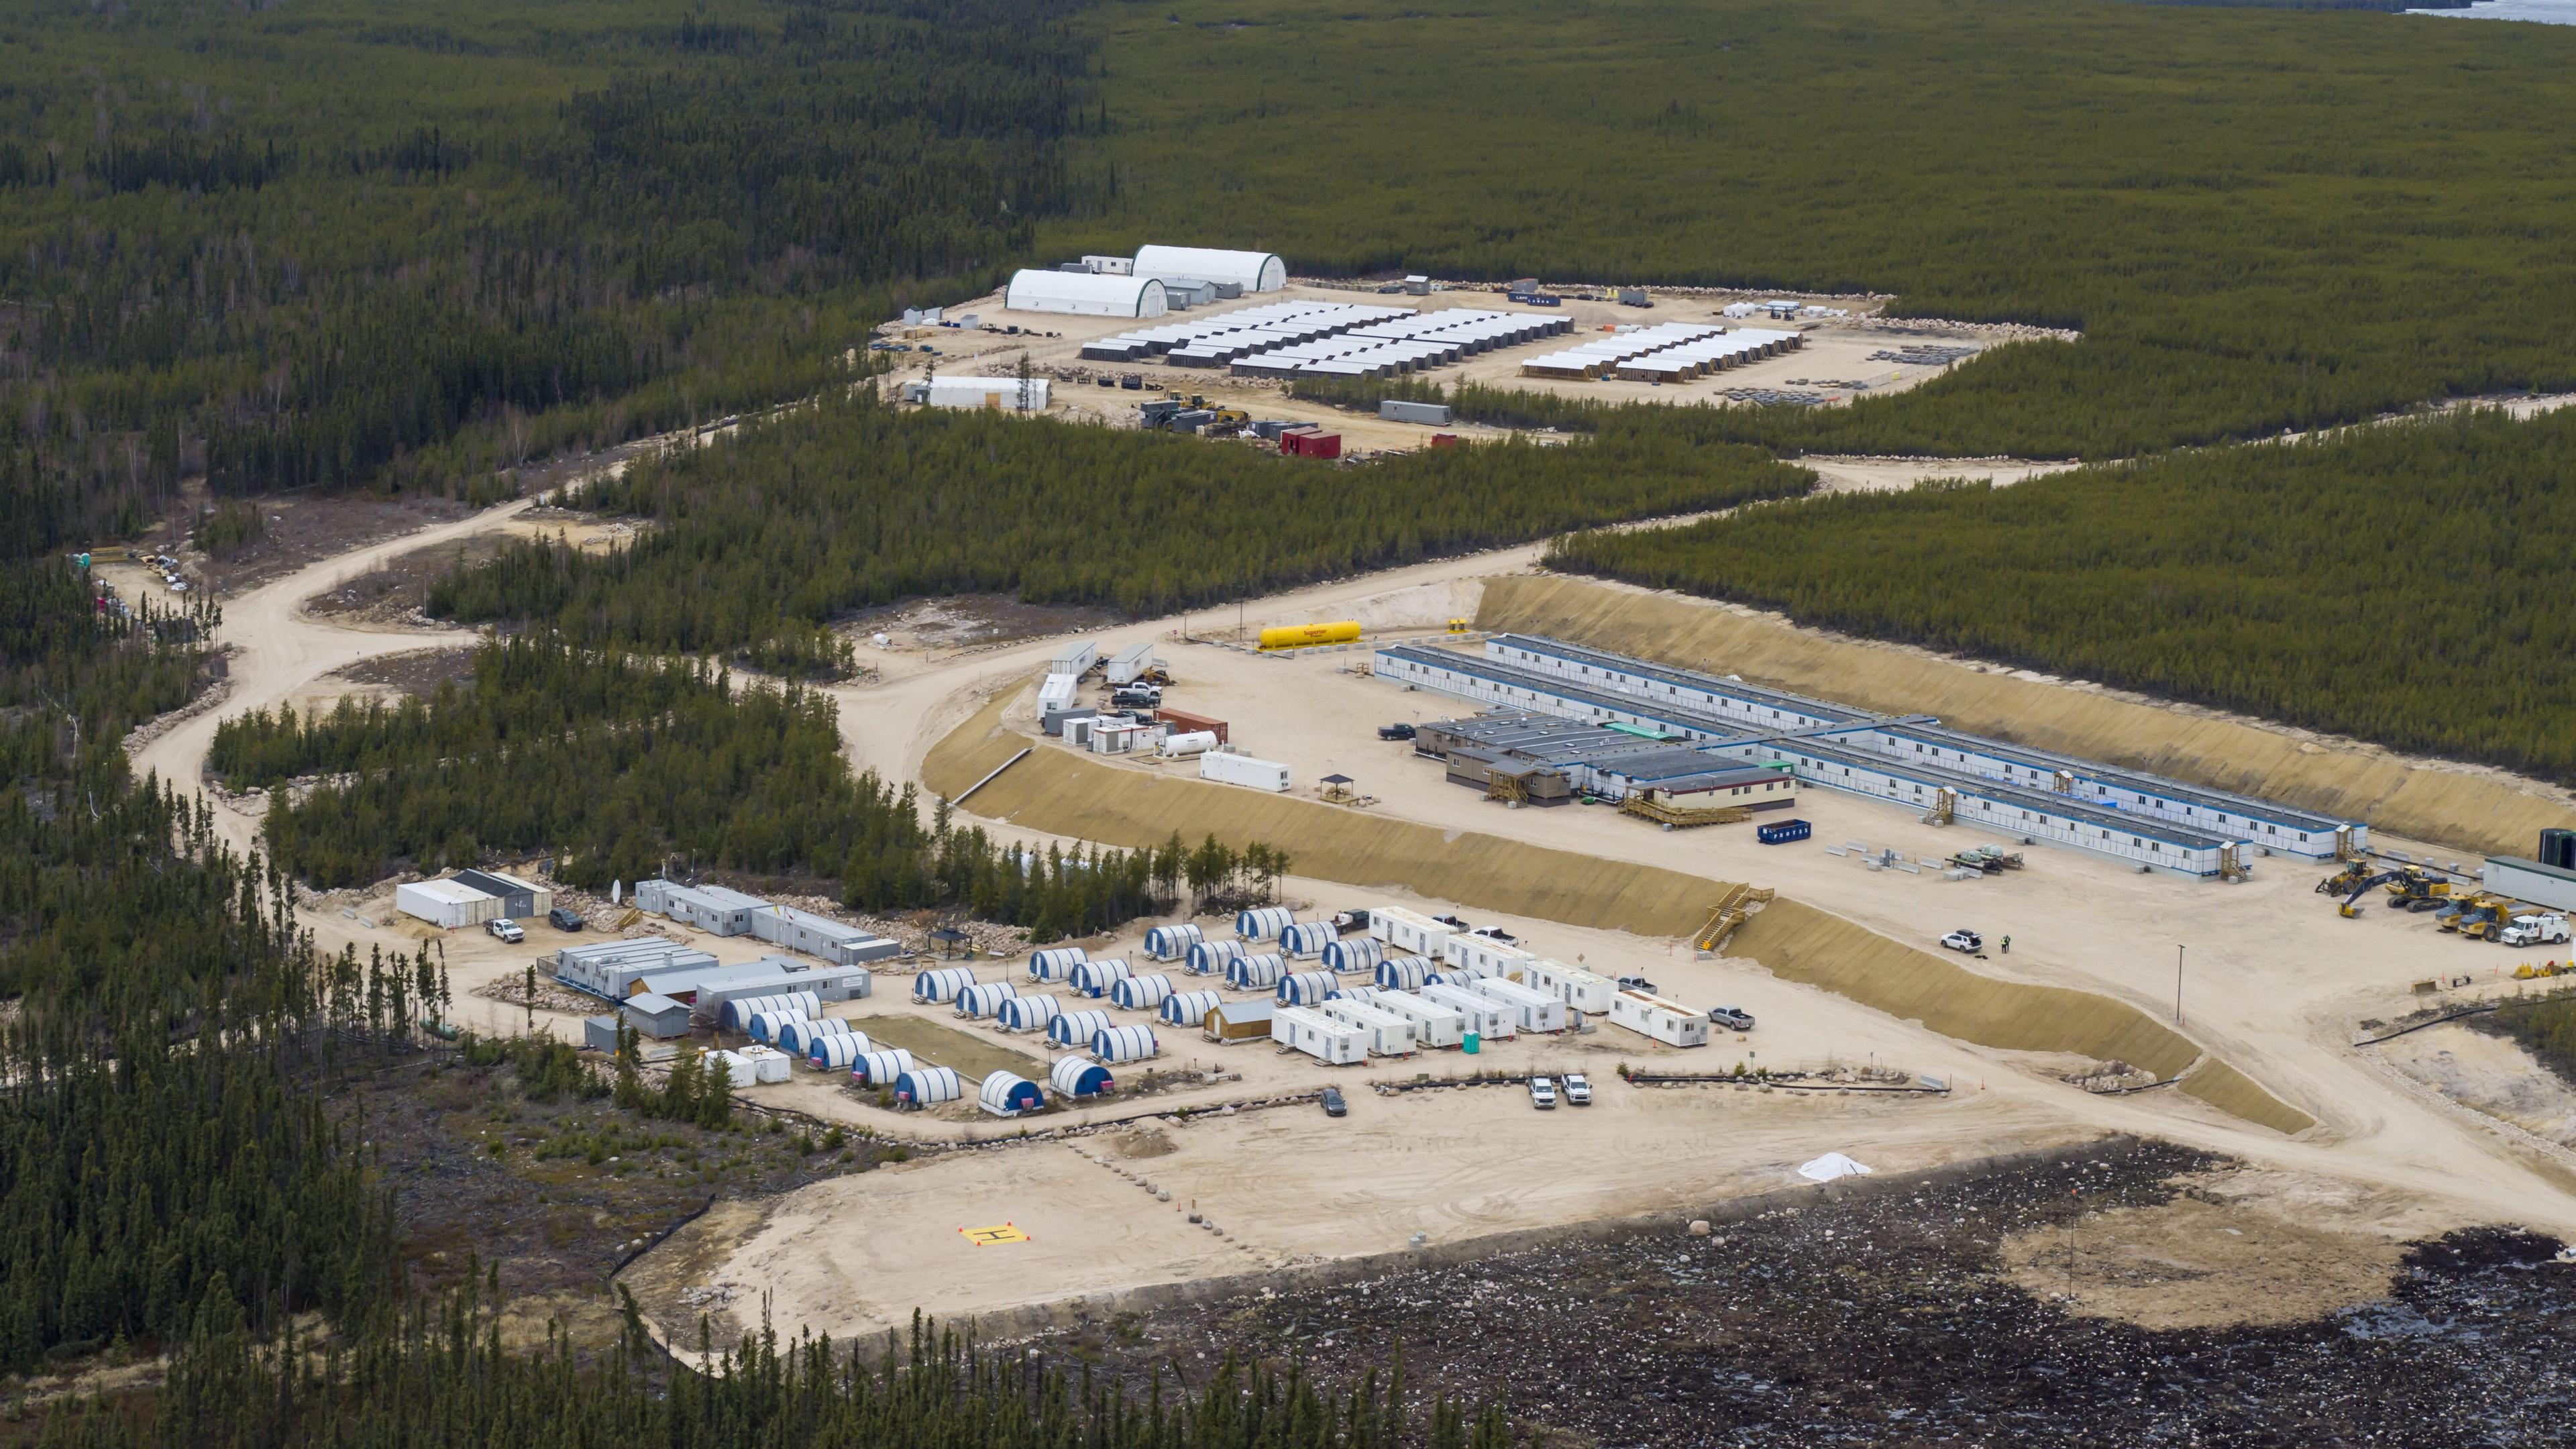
{"x":880,"y":1068}
{"x":1531,"y":1010}
{"x":1188,"y":1008}
{"x":985,"y":998}
{"x":1123,"y":1043}
{"x":1231,"y":769}
{"x":1585,"y":991}
{"x":1385,"y":1033}
{"x":1028,"y":1013}
{"x":1483,"y":955}
{"x":1172,"y":943}
{"x":1403,"y":929}
{"x":1074,"y":1028}
{"x":928,"y":1087}
{"x":1141,"y":993}
{"x":1207,"y":958}
{"x":1005,"y":1094}
{"x":1486,"y":1017}
{"x":1668,"y":1022}
{"x":1092,"y":978}
{"x":838,"y":1053}
{"x":1256,"y":973}
{"x":1434,"y":1025}
{"x":1263,"y":923}
{"x":1187,"y":743}
{"x":1075,"y":1077}
{"x":1306,"y":940}
{"x":1345,"y":957}
{"x":942,"y":983}
{"x":1318,"y":1036}
{"x":1057,"y":963}
{"x":1403,"y":973}
{"x":1307,"y":988}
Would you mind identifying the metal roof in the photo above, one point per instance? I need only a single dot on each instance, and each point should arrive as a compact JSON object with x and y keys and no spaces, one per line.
{"x":1684,"y":678}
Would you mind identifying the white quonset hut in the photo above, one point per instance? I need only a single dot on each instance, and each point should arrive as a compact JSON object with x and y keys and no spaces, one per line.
{"x":1075,"y":1077}
{"x":1124,"y":1043}
{"x":712,"y":909}
{"x":447,"y":904}
{"x":1486,"y":1017}
{"x":942,"y":983}
{"x":1587,"y":991}
{"x":1668,"y":1022}
{"x":1403,"y":973}
{"x":1007,"y":1095}
{"x":1142,"y":993}
{"x":771,"y":1026}
{"x":1188,"y":1008}
{"x":985,"y":999}
{"x":838,"y":942}
{"x":1209,"y":958}
{"x":1307,"y":988}
{"x":799,"y":1036}
{"x":1383,"y":1032}
{"x":879,"y":1068}
{"x":838,"y":1053}
{"x":1093,"y":978}
{"x":1172,"y":943}
{"x":1483,"y":955}
{"x":1251,"y":271}
{"x":1404,"y":929}
{"x":1029,"y":1013}
{"x":1360,"y":953}
{"x":1534,"y":1011}
{"x":1263,"y":923}
{"x":1085,"y":294}
{"x":1434,"y":1025}
{"x":1318,"y":1036}
{"x":1075,"y":1028}
{"x":1256,"y":973}
{"x":1056,"y":963}
{"x":736,"y":1013}
{"x":1306,"y":940}
{"x":928,"y":1087}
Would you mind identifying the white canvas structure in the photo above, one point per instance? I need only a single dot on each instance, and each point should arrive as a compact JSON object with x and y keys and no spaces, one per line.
{"x":1232,"y":769}
{"x":880,"y":1068}
{"x":1831,"y":1166}
{"x":1075,"y":1028}
{"x":1094,"y":978}
{"x":1028,"y":1013}
{"x":928,"y":1087}
{"x":1209,"y":958}
{"x":1252,"y":271}
{"x":1307,"y":988}
{"x":1005,"y":394}
{"x":1263,"y":923}
{"x":1172,"y":943}
{"x":1360,"y":953}
{"x":1486,"y":1017}
{"x":797,"y":1037}
{"x":1056,"y":963}
{"x":445,"y":903}
{"x":770,"y":1026}
{"x":942,"y":983}
{"x":838,"y":1053}
{"x":1189,"y":1008}
{"x":985,"y":998}
{"x":1007,"y":1095}
{"x":1531,"y":1010}
{"x":1256,"y":973}
{"x":1306,"y":940}
{"x":1587,"y":991}
{"x":1142,"y":993}
{"x":1403,"y":973}
{"x":1318,"y":1036}
{"x":1434,"y":1025}
{"x":1668,"y":1022}
{"x":737,"y":1013}
{"x":1075,"y":1076}
{"x":1385,"y":1033}
{"x":1124,"y":1043}
{"x":1483,"y":955}
{"x":1085,"y":294}
{"x":1403,"y":929}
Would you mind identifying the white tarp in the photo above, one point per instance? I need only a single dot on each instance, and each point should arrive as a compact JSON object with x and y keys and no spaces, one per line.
{"x":1830,"y":1166}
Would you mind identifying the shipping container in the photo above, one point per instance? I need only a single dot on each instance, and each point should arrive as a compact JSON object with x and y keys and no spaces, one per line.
{"x":1781,"y":832}
{"x":1311,"y":445}
{"x":1184,"y":722}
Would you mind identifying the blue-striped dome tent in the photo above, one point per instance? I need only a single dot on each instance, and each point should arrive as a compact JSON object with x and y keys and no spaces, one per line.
{"x":799,"y":1036}
{"x":768,"y":1026}
{"x":1403,"y":973}
{"x":1307,"y":988}
{"x":1357,"y":954}
{"x":1074,"y":1028}
{"x":1028,"y":1013}
{"x":880,"y":1068}
{"x":928,"y":1087}
{"x":1188,"y":1008}
{"x":985,"y":998}
{"x":1055,"y":963}
{"x":1207,"y":958}
{"x":1007,"y":1095}
{"x":1075,"y":1077}
{"x":1171,"y":943}
{"x":942,"y":983}
{"x":838,"y":1053}
{"x":1256,"y":973}
{"x":1124,"y":1043}
{"x":1263,"y":923}
{"x":1140,"y":993}
{"x":1306,"y":940}
{"x":1093,"y":978}
{"x":736,"y":1015}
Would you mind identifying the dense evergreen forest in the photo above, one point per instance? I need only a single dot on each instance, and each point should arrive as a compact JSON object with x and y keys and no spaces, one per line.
{"x":623,"y":767}
{"x":769,"y":535}
{"x":2260,"y":219}
{"x":2407,"y":584}
{"x":320,"y":244}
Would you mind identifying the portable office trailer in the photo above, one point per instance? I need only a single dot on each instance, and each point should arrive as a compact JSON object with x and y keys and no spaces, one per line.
{"x":1093,"y":978}
{"x":2536,"y":881}
{"x":1483,"y":955}
{"x":985,"y":998}
{"x":1074,"y":1028}
{"x":1306,"y":940}
{"x":1140,"y":993}
{"x":1263,"y":923}
{"x":656,"y":1016}
{"x":1256,"y":973}
{"x":712,"y":909}
{"x":1486,"y":1017}
{"x":1532,"y":1010}
{"x":1124,"y":1043}
{"x":813,"y":935}
{"x":1668,"y":1022}
{"x":1056,"y":963}
{"x":520,"y":899}
{"x":1396,"y":410}
{"x":1129,"y":664}
{"x":1075,"y":1077}
{"x":599,"y":1033}
{"x":838,"y":1053}
{"x":928,"y":1087}
{"x":880,"y":1068}
{"x":1231,"y":769}
{"x":1028,"y":1013}
{"x":1583,"y":990}
{"x":736,"y":1013}
{"x":1234,"y":1021}
{"x":688,"y":983}
{"x":798,"y":1037}
{"x":1076,"y":658}
{"x":1409,"y":930}
{"x":942,"y":983}
{"x":1172,"y":943}
{"x":1187,"y":1008}
{"x":1384,"y":1033}
{"x":1207,"y":958}
{"x":1318,"y":1036}
{"x":446,"y":903}
{"x":1434,"y":1025}
{"x":1360,"y":953}
{"x":1306,"y":988}
{"x":1403,"y":973}
{"x":770,"y":1026}
{"x":768,"y":1064}
{"x":1007,"y":1095}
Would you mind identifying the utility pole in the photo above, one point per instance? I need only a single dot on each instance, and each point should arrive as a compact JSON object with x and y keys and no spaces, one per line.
{"x":2177,"y":983}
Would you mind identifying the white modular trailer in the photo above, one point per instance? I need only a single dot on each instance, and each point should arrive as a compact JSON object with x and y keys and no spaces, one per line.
{"x":1668,"y":1022}
{"x":445,"y":903}
{"x":1056,"y":963}
{"x":1227,"y":768}
{"x":1251,"y":271}
{"x":1055,"y":695}
{"x":771,"y":1026}
{"x":879,"y":1068}
{"x":1403,"y":929}
{"x":1207,"y":958}
{"x":798,"y":1037}
{"x":1142,"y":993}
{"x":1358,"y":954}
{"x":1075,"y":1076}
{"x":1483,"y":955}
{"x":1531,"y":1010}
{"x":1028,"y":1013}
{"x":942,"y":983}
{"x":1124,"y":1043}
{"x":1256,"y":973}
{"x":1306,"y":940}
{"x":1085,"y":294}
{"x":1075,"y":658}
{"x":1188,"y":1008}
{"x":2535,"y":881}
{"x":1384,"y":1033}
{"x":735,"y":1013}
{"x":1486,"y":1017}
{"x":1172,"y":943}
{"x":1319,"y":1036}
{"x":1263,"y":923}
{"x":612,"y":968}
{"x":1586,"y":991}
{"x":1128,"y":664}
{"x":838,"y":1053}
{"x":985,"y":998}
{"x":1434,"y":1025}
{"x":768,"y":1064}
{"x":1075,"y":1028}
{"x":804,"y":932}
{"x":1403,"y":973}
{"x":712,"y":909}
{"x":736,"y":1067}
{"x":1005,"y":1094}
{"x":1307,"y":988}
{"x":928,"y":1087}
{"x":1093,"y":978}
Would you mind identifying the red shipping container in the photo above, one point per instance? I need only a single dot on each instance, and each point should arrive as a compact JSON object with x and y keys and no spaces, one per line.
{"x":1184,"y":722}
{"x":1444,"y":440}
{"x":1311,"y":445}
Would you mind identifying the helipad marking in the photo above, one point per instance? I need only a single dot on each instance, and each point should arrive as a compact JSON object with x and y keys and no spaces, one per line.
{"x":988,"y":1237}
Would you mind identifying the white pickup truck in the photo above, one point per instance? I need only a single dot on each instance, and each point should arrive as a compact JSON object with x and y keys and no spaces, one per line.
{"x":2541,"y":930}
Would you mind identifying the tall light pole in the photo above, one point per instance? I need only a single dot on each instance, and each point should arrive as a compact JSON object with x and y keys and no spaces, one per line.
{"x":2177,"y":983}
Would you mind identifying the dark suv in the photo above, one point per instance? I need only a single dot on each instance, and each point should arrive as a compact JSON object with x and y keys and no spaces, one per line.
{"x":564,"y":918}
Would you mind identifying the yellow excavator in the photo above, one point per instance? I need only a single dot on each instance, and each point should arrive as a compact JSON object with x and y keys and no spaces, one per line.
{"x":2410,"y":887}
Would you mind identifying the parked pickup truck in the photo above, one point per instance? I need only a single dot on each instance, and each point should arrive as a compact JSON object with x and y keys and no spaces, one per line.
{"x":2541,"y":930}
{"x":1578,"y":1091}
{"x":1728,"y":1016}
{"x":1542,"y":1093}
{"x":505,"y":928}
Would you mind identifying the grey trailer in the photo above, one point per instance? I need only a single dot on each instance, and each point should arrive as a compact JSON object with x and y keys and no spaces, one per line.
{"x":838,"y":942}
{"x":599,"y":1033}
{"x":658,"y":1017}
{"x":1396,"y":410}
{"x":712,"y":909}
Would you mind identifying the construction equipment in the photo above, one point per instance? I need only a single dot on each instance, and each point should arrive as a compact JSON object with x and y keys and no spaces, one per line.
{"x":1987,"y":858}
{"x":2342,"y":881}
{"x":2478,"y":917}
{"x":1733,"y":909}
{"x":2413,"y":888}
{"x":1660,"y":807}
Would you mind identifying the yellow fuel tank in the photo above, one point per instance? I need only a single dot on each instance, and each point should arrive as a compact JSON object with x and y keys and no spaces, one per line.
{"x":1307,"y":636}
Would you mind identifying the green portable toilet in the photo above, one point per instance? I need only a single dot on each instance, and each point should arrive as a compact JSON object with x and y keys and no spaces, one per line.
{"x":1472,"y":1043}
